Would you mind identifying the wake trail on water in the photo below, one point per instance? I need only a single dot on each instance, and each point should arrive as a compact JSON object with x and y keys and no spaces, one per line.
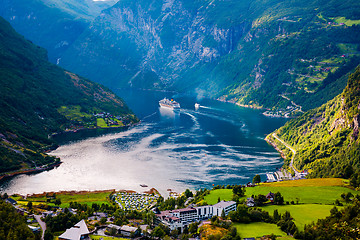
{"x":213,"y":108}
{"x":222,"y":118}
{"x":194,"y":119}
{"x":148,"y":116}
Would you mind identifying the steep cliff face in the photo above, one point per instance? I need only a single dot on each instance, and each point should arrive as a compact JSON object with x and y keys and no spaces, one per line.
{"x":158,"y":39}
{"x":263,"y":53}
{"x":38,"y":98}
{"x":326,"y":139}
{"x":55,"y":24}
{"x":257,"y":53}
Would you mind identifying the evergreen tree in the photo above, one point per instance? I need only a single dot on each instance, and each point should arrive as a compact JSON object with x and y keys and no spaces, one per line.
{"x":188,"y":193}
{"x":256,"y":179}
{"x":278,"y":199}
{"x":276,"y":216}
{"x":223,"y":214}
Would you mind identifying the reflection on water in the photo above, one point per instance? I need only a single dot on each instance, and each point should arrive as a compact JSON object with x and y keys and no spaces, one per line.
{"x":168,"y":114}
{"x":216,"y":144}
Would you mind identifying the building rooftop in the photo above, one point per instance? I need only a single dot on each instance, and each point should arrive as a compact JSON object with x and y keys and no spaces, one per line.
{"x":185,"y":210}
{"x":224,"y":204}
{"x":114,"y":226}
{"x":10,"y":200}
{"x":75,"y":232}
{"x":127,"y":228}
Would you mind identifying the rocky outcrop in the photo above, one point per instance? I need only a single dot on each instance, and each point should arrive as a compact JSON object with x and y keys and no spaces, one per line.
{"x":356,"y":124}
{"x":161,"y":39}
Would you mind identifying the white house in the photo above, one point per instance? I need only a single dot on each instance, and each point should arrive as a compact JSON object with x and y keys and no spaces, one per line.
{"x":78,"y":232}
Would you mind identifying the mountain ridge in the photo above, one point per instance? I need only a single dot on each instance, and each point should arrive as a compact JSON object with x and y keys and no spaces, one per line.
{"x":33,"y":93}
{"x":259,"y":53}
{"x":326,"y":139}
{"x":53,"y":25}
{"x":249,"y":53}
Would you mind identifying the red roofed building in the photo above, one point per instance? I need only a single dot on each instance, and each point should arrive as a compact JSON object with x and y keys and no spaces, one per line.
{"x":270,"y":196}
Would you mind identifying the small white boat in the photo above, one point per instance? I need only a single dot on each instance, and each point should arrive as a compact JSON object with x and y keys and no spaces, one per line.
{"x":197,"y":106}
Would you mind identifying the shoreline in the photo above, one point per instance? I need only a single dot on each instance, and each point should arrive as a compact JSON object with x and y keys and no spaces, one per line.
{"x":84,"y":192}
{"x":5,"y":176}
{"x":81,"y":129}
{"x":273,"y":144}
{"x":8,"y":175}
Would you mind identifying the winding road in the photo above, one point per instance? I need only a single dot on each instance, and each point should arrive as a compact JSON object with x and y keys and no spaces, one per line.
{"x":297,"y":174}
{"x":42,"y":225}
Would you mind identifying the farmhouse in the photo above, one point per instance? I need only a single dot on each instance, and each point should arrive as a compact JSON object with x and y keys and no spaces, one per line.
{"x":270,"y":196}
{"x":250,"y":202}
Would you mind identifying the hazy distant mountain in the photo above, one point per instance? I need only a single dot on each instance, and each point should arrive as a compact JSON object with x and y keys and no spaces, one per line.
{"x":53,"y":24}
{"x":33,"y":91}
{"x":259,"y":53}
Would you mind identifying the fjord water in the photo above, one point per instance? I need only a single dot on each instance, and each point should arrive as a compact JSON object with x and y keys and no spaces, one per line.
{"x":219,"y":143}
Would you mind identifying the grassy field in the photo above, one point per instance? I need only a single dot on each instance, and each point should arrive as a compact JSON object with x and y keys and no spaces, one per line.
{"x":347,"y":22}
{"x":259,"y":229}
{"x":310,"y":191}
{"x":302,"y":213}
{"x":224,"y":194}
{"x":308,"y":183}
{"x":308,"y":195}
{"x":67,"y":197}
{"x":315,"y":196}
{"x":119,"y":122}
{"x":100,"y":122}
{"x":73,"y":113}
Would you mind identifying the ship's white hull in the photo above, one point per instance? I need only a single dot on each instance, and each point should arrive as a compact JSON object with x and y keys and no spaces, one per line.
{"x":169,"y":107}
{"x":169,"y":104}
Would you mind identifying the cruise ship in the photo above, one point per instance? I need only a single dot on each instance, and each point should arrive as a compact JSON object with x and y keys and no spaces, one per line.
{"x":171,"y":104}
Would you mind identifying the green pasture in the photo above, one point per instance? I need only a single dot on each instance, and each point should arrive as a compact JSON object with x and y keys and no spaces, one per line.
{"x":119,"y":122}
{"x":259,"y":229}
{"x":309,"y":191}
{"x":224,"y":194}
{"x":84,"y":198}
{"x":309,"y":195}
{"x":73,"y":113}
{"x":100,"y":122}
{"x":302,"y":213}
{"x":347,"y":22}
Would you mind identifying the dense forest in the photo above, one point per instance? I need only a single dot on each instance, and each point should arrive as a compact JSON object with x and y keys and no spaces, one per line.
{"x":261,"y":53}
{"x":326,"y":139}
{"x":12,"y":224}
{"x":32,"y":91}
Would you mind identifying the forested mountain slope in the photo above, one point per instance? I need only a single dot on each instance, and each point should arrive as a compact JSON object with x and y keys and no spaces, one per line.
{"x":258,"y":53}
{"x":262,"y":53}
{"x":33,"y":95}
{"x":326,"y":139}
{"x":54,"y":24}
